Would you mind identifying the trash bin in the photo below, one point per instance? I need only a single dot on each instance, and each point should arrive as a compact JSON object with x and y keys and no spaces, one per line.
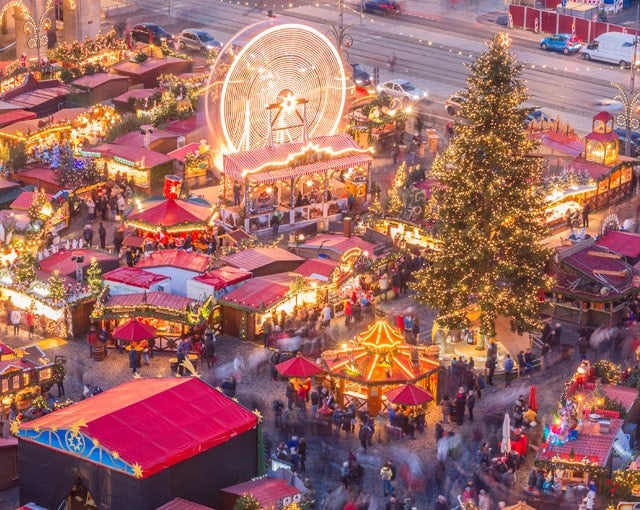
{"x":99,"y":352}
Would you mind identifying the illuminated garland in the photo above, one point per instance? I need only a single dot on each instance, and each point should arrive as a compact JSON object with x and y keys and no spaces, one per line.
{"x":78,"y":53}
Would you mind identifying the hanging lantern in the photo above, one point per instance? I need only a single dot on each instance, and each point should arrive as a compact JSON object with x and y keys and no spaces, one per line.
{"x":172,"y":185}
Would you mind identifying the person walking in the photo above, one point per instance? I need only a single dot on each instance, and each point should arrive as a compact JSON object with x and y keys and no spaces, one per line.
{"x":492,"y":361}
{"x":586,"y":210}
{"x":102,"y":232}
{"x":30,"y":321}
{"x":302,"y":452}
{"x":364,"y":434}
{"x":583,"y":347}
{"x":461,"y":402}
{"x":391,"y":63}
{"x":182,"y":356}
{"x":209,"y":352}
{"x":348,"y":312}
{"x":445,"y":404}
{"x":87,"y":235}
{"x":237,"y":188}
{"x":133,"y":360}
{"x":15,"y":320}
{"x":385,"y":476}
{"x":471,"y":403}
{"x":383,"y":284}
{"x":508,"y":368}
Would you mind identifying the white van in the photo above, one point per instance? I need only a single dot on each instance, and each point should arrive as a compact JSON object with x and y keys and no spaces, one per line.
{"x":613,"y":47}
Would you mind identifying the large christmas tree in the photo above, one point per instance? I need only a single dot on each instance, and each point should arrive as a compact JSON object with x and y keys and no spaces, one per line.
{"x":490,"y":208}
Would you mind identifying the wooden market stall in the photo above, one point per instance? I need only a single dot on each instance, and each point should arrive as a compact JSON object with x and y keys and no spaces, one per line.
{"x":132,"y":280}
{"x":375,"y":361}
{"x":177,"y":265}
{"x":172,"y":316}
{"x":262,"y":261}
{"x":306,"y":181}
{"x":217,"y":282}
{"x":592,"y":284}
{"x":98,"y":88}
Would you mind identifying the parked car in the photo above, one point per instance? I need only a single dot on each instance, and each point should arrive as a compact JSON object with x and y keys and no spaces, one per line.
{"x":452,"y":105}
{"x":566,"y":43}
{"x":196,"y":39}
{"x":537,"y":115}
{"x":360,"y":76}
{"x":402,"y":89}
{"x":150,"y":33}
{"x":635,"y":141}
{"x":381,"y":7}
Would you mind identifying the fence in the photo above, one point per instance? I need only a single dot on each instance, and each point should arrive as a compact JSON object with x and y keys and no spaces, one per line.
{"x":552,"y":22}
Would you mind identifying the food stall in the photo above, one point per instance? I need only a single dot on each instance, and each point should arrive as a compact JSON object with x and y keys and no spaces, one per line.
{"x":376,"y":361}
{"x":310,"y":180}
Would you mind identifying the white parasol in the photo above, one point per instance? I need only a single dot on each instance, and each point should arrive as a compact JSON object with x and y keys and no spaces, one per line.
{"x":2,"y":232}
{"x":505,"y":446}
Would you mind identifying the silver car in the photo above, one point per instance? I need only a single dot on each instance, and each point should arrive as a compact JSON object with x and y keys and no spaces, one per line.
{"x":196,"y":39}
{"x":402,"y":89}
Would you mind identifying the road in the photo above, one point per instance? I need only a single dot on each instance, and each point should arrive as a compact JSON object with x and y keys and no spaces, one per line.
{"x":430,"y":50}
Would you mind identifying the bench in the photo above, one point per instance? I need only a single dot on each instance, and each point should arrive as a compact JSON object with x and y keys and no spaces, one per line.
{"x":393,"y":431}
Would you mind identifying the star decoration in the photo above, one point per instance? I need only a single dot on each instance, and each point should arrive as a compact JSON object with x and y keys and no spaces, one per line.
{"x":258,"y":414}
{"x":235,"y":399}
{"x":137,"y":470}
{"x":75,"y":427}
{"x":14,"y":428}
{"x":115,"y":455}
{"x":36,"y":428}
{"x":54,"y":428}
{"x":137,"y":375}
{"x":96,"y":443}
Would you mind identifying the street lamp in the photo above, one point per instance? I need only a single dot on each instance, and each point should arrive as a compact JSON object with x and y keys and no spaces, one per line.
{"x":340,"y":33}
{"x":627,"y":119}
{"x":36,"y":28}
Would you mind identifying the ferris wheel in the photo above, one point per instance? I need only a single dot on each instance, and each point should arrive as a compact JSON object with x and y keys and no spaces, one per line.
{"x":275,"y":83}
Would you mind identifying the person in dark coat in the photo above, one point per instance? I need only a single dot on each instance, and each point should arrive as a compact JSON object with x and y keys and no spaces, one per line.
{"x":118,"y":240}
{"x":133,"y":360}
{"x":471,"y":403}
{"x":102,"y":232}
{"x":182,"y":355}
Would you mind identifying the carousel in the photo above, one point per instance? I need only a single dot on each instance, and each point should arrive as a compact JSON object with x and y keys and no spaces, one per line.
{"x":376,"y":361}
{"x":171,"y":219}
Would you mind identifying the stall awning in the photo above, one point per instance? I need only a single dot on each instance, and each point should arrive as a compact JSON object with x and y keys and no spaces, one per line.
{"x":134,"y":276}
{"x":223,"y":277}
{"x":319,"y":269}
{"x":257,"y":295}
{"x":319,"y":167}
{"x":622,"y":243}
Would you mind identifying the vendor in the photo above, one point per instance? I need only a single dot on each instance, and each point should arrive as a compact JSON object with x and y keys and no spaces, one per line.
{"x":529,"y":416}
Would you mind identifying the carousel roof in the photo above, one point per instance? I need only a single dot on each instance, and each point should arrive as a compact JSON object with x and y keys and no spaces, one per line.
{"x":170,"y":212}
{"x":379,"y":356}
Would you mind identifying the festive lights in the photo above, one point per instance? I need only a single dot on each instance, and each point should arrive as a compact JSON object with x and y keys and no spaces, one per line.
{"x":490,"y":213}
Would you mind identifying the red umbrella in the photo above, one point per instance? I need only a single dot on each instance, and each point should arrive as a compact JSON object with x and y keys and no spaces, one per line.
{"x":533,"y":399}
{"x":134,"y":331}
{"x":298,"y":367}
{"x":409,"y":395}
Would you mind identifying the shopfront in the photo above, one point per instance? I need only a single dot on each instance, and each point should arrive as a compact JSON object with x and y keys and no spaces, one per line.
{"x":305,"y":181}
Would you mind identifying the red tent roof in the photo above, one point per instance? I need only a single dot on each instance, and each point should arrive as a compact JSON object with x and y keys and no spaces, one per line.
{"x":133,"y":153}
{"x":189,"y":261}
{"x":255,"y":258}
{"x":182,"y":504}
{"x":223,"y":277}
{"x":15,"y":116}
{"x":188,"y":417}
{"x":134,"y":276}
{"x":257,"y":293}
{"x":160,"y":299}
{"x":171,"y":212}
{"x":622,"y":243}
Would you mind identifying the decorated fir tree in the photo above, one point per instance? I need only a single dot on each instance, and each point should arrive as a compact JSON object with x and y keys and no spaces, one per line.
{"x":38,"y":205}
{"x":73,"y":173}
{"x":57,"y":291}
{"x":246,"y":502}
{"x":25,"y":268}
{"x":94,"y":277}
{"x":490,"y":207}
{"x":375,"y":207}
{"x":394,"y":202}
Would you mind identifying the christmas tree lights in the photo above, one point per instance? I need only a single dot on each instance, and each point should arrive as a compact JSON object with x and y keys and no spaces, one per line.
{"x":490,"y":211}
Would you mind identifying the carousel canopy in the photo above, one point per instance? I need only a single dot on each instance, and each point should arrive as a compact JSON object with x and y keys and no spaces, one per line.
{"x":380,"y":357}
{"x":169,"y":212}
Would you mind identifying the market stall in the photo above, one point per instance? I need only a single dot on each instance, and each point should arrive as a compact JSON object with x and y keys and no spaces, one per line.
{"x":297,"y":179}
{"x":217,"y":282}
{"x":173,"y":317}
{"x":121,"y":446}
{"x":177,"y":265}
{"x":132,"y":280}
{"x":263,"y":261}
{"x":376,"y":361}
{"x":56,"y":213}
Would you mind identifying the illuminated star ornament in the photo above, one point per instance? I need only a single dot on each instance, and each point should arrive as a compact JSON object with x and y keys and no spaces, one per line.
{"x":137,"y":470}
{"x":258,"y":414}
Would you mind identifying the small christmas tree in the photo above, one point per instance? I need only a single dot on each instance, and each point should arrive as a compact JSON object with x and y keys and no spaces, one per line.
{"x":25,"y":268}
{"x":57,"y":292}
{"x":37,"y":205}
{"x":246,"y":502}
{"x":94,"y":277}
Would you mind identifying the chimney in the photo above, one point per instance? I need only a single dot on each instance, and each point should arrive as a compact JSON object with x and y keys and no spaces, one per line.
{"x":347,"y":226}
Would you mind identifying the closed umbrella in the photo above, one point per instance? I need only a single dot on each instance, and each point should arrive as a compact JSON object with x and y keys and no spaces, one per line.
{"x":409,"y":395}
{"x":298,"y":367}
{"x":134,"y":331}
{"x":533,"y":398}
{"x":505,"y":446}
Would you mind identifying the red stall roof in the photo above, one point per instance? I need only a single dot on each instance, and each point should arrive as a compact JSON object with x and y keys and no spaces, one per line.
{"x":320,"y":269}
{"x":63,"y":263}
{"x":133,"y":154}
{"x":259,"y":293}
{"x":171,"y":212}
{"x":91,"y":81}
{"x":182,"y":504}
{"x":255,"y":258}
{"x":223,"y":277}
{"x":25,"y":199}
{"x":187,"y":414}
{"x":189,"y":261}
{"x":15,"y":116}
{"x":181,"y":153}
{"x":134,"y":276}
{"x":622,"y":243}
{"x":268,"y":491}
{"x":160,"y":299}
